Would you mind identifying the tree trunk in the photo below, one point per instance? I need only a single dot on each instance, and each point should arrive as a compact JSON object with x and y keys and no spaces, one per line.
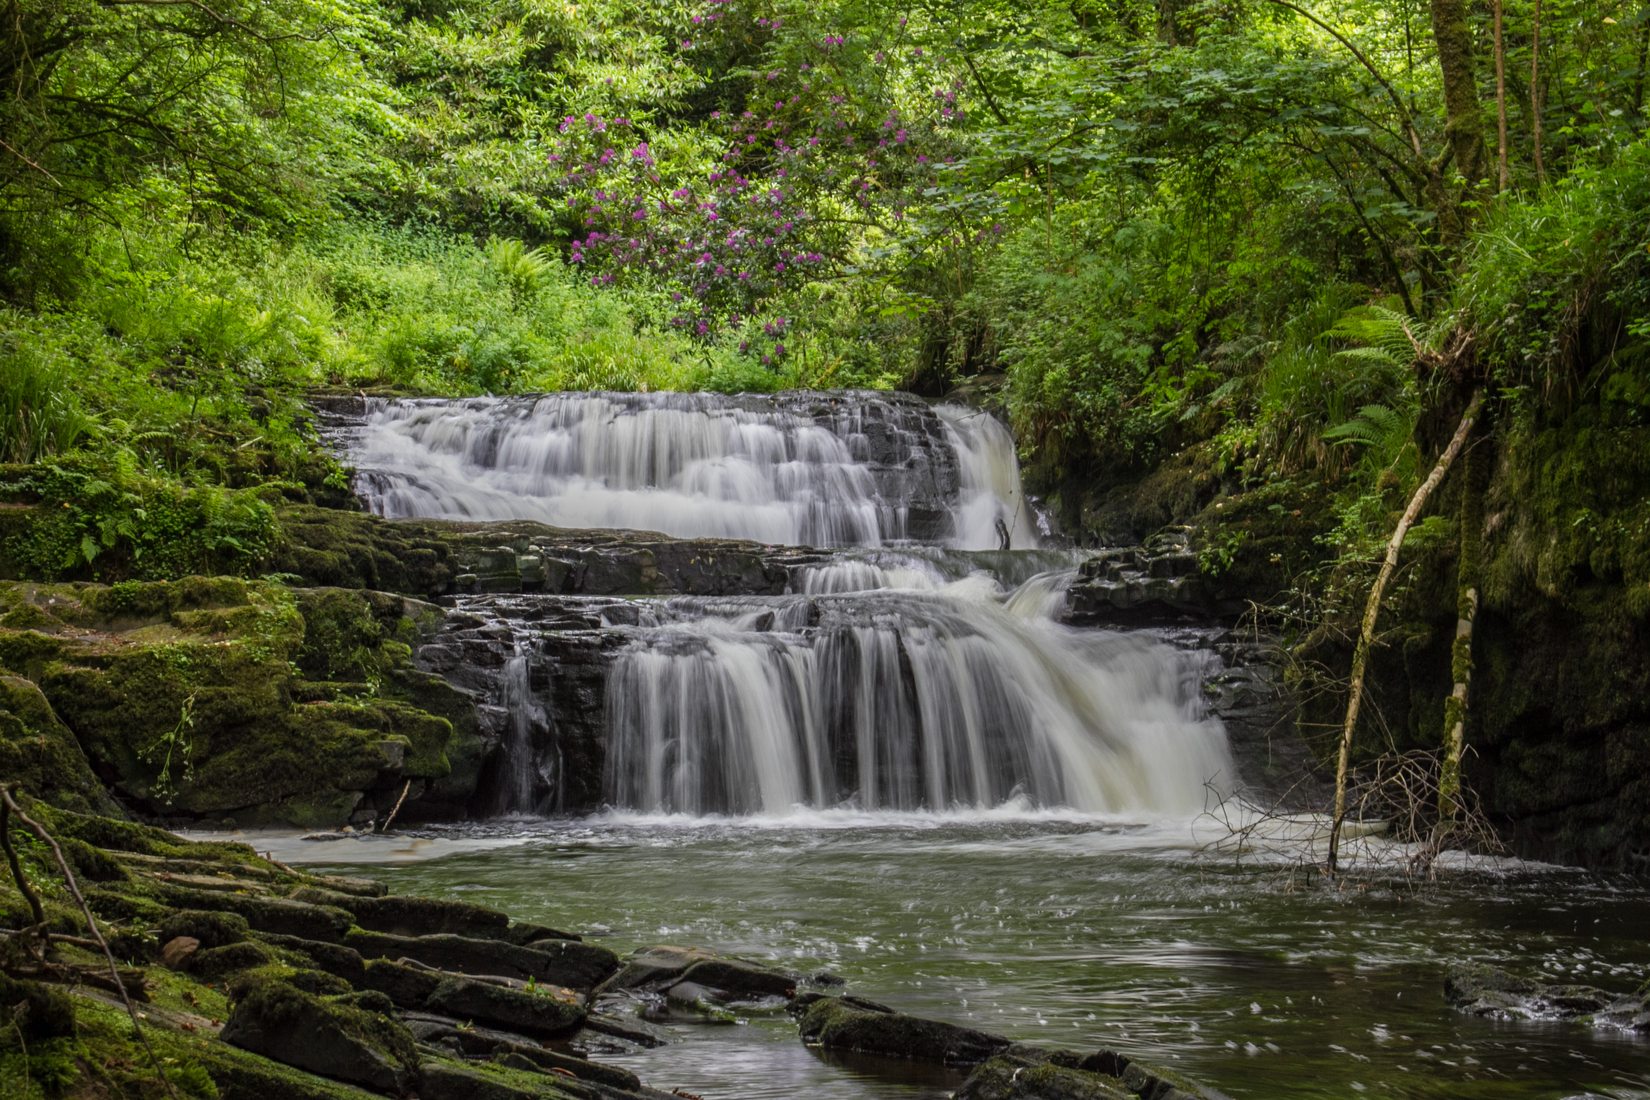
{"x":1372,"y":612}
{"x":1535,"y":90}
{"x":1466,"y":586}
{"x":1464,"y":117}
{"x":1502,"y":176}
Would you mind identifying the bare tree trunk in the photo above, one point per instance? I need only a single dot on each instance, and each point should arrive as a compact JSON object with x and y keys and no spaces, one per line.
{"x":1372,"y":612}
{"x":1466,"y":586}
{"x":1535,"y":90}
{"x":1502,"y":176}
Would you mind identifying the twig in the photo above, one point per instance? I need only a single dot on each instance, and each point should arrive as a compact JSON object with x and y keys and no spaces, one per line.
{"x":69,"y":880}
{"x":18,"y":876}
{"x":388,"y":821}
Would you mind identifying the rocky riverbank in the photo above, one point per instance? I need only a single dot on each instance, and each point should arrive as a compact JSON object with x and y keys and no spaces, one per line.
{"x":252,"y":980}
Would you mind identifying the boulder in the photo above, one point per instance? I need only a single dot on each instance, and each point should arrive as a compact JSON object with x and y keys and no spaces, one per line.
{"x":342,"y":1042}
{"x":835,"y":1024}
{"x":1006,"y":1078}
{"x":540,"y":1012}
{"x":558,"y":962}
{"x":177,"y":952}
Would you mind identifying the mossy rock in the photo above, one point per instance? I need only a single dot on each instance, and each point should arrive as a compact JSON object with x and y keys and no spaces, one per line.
{"x":181,"y":694}
{"x":330,"y":1038}
{"x":36,"y":1011}
{"x":212,"y":927}
{"x":40,"y":753}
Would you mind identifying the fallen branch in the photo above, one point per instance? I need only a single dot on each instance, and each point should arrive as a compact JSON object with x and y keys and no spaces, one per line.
{"x":1372,"y":612}
{"x":388,"y":821}
{"x":73,"y":884}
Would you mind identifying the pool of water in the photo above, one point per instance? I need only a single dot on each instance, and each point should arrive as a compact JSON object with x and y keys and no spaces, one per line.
{"x":1078,"y":932}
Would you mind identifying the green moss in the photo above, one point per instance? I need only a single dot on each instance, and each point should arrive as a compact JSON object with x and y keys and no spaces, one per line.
{"x":213,"y":928}
{"x":40,"y":753}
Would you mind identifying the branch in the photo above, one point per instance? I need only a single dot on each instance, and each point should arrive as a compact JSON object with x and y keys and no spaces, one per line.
{"x":1372,"y":611}
{"x":69,"y":880}
{"x":1392,"y":93}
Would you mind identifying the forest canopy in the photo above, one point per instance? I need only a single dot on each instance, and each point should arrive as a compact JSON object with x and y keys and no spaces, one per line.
{"x":1239,"y":227}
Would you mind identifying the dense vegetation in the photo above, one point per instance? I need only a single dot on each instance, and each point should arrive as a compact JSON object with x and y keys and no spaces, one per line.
{"x":1162,"y":224}
{"x":1241,"y":261}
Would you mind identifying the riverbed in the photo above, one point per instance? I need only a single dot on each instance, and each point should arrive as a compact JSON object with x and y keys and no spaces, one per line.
{"x":1077,"y":931}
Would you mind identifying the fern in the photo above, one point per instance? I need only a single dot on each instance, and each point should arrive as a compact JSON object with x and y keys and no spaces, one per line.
{"x":522,"y":268}
{"x":1377,"y":426}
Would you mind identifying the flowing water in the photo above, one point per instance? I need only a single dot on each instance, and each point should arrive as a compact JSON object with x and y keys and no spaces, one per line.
{"x":909,"y":771}
{"x":1074,"y":932}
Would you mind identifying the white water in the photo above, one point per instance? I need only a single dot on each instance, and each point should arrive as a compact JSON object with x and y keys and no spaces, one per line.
{"x":955,"y":697}
{"x":796,"y":469}
{"x":906,"y":678}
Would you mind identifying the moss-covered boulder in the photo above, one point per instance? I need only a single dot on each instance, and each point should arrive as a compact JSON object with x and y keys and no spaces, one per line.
{"x":39,"y":752}
{"x":341,"y":1041}
{"x":219,"y":698}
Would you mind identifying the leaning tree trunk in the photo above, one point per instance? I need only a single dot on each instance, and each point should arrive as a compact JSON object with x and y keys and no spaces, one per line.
{"x":1466,"y":588}
{"x":1372,"y":612}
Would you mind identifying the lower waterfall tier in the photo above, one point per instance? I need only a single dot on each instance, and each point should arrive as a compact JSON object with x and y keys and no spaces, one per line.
{"x":891,"y":680}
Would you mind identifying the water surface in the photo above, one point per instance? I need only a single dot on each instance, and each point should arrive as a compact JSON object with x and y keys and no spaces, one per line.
{"x":1071,"y":931}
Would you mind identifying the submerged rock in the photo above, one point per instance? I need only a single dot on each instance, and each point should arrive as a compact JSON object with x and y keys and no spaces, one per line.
{"x":1489,"y":991}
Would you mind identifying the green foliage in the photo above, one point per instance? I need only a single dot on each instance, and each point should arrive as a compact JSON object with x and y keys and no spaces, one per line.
{"x":111,"y":519}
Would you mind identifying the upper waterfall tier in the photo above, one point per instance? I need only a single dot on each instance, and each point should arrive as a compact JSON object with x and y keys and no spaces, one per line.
{"x":802,"y":468}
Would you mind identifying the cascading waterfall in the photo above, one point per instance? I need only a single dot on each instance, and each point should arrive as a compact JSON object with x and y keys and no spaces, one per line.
{"x":921,"y":666}
{"x":799,"y":469}
{"x":944,"y":697}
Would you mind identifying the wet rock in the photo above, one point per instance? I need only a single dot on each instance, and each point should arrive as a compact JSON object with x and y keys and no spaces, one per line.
{"x":1160,"y":580}
{"x":471,"y":1041}
{"x":407,"y":986}
{"x":734,"y":980}
{"x":177,"y":952}
{"x":832,"y":1023}
{"x":1024,"y":1072}
{"x":529,"y":934}
{"x":1488,"y":991}
{"x":342,"y":1042}
{"x":541,"y":1012}
{"x":627,"y":1029}
{"x":1007,"y":1078}
{"x":558,"y":962}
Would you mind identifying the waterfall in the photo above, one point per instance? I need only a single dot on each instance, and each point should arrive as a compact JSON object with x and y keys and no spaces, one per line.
{"x":920,"y":665}
{"x":813,"y":469}
{"x":958,"y":697}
